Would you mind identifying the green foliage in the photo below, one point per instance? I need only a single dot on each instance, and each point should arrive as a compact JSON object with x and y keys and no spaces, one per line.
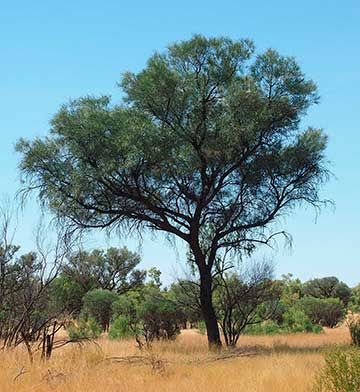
{"x":281,"y":308}
{"x":295,"y":320}
{"x":120,"y":328}
{"x":201,"y":327}
{"x":113,"y":269}
{"x":265,"y":328}
{"x":326,"y":312}
{"x":160,"y":318}
{"x":185,"y":295}
{"x":317,"y":329}
{"x":272,"y":328}
{"x":353,"y":323}
{"x":354,"y":303}
{"x":328,"y":287}
{"x":98,"y":304}
{"x":291,"y":289}
{"x":341,"y":372}
{"x":84,"y":329}
{"x":154,"y":275}
{"x":67,"y":294}
{"x":149,"y":315}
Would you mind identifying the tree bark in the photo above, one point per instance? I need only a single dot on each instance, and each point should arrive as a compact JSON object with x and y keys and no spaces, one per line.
{"x":208,"y":311}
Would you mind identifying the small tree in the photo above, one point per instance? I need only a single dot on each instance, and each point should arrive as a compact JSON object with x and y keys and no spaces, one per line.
{"x":27,"y":313}
{"x":185,"y":295}
{"x":98,"y":304}
{"x":326,"y":312}
{"x":67,"y":294}
{"x":245,"y":299}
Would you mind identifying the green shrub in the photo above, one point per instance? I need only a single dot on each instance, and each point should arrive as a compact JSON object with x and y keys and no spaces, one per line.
{"x":295,"y":320}
{"x":271,"y":328}
{"x":98,"y":304}
{"x":341,"y":372}
{"x":354,"y":328}
{"x":317,"y":329}
{"x":326,"y":312}
{"x":84,"y":329}
{"x":201,"y":327}
{"x":265,"y":328}
{"x":256,"y":329}
{"x":278,"y":315}
{"x":149,"y":316}
{"x":160,"y":319}
{"x":120,"y":328}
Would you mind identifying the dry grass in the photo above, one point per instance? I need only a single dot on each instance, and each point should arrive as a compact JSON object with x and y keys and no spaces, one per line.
{"x":264,"y":363}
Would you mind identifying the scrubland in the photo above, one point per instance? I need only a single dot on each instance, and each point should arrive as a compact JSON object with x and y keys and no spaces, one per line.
{"x":258,"y":363}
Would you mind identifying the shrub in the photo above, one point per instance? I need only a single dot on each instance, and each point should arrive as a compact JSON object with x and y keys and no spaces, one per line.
{"x":271,"y":328}
{"x":245,"y":297}
{"x":98,"y":304}
{"x":159,"y":318}
{"x":265,"y":328}
{"x":326,"y":312}
{"x":120,"y":328}
{"x":341,"y":372}
{"x":149,"y":316}
{"x":295,"y":320}
{"x":353,"y":323}
{"x":317,"y":329}
{"x":354,"y":304}
{"x":281,"y":308}
{"x":201,"y":327}
{"x":84,"y":329}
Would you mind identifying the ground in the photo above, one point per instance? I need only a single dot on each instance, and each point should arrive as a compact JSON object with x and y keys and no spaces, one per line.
{"x":261,"y":363}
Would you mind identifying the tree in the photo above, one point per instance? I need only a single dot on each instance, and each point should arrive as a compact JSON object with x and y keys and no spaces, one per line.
{"x":154,"y":275}
{"x":112,"y":270}
{"x":67,"y":294}
{"x":326,"y":312}
{"x":244,"y":299}
{"x":98,"y":304}
{"x":185,"y":295}
{"x":206,"y":146}
{"x":328,"y":287}
{"x":27,"y":313}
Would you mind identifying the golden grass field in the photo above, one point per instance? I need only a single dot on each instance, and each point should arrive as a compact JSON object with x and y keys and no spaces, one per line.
{"x":261,"y":363}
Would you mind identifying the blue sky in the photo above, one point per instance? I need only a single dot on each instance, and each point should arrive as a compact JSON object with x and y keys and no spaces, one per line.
{"x":52,"y":51}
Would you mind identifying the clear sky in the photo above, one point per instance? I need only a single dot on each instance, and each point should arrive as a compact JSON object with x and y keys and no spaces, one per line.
{"x":55,"y":50}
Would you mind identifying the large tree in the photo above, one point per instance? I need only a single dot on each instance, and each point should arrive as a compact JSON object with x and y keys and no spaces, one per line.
{"x":206,"y":146}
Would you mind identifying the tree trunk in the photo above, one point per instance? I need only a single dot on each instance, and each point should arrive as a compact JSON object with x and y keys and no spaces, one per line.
{"x":208,"y":311}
